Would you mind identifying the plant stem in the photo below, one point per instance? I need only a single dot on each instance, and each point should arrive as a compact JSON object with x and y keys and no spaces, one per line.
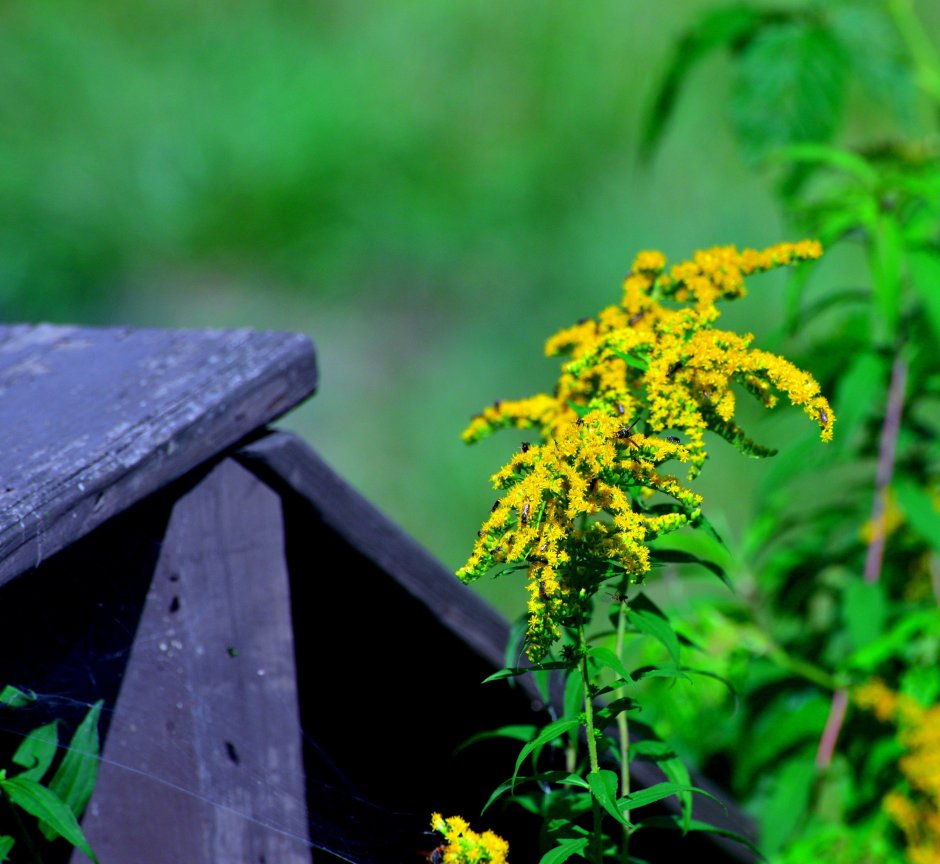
{"x":597,"y":840}
{"x":803,"y":668}
{"x":623,"y":730}
{"x":887,"y":446}
{"x":874,"y":555}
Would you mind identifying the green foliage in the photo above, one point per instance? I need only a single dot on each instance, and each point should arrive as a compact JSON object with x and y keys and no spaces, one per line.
{"x":56,"y":802}
{"x":840,"y":563}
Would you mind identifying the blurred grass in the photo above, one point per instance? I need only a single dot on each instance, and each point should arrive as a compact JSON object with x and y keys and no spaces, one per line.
{"x":428,"y":191}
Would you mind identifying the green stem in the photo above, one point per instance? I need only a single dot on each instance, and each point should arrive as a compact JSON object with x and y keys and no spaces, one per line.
{"x":624,"y":734}
{"x":803,"y":668}
{"x":597,"y":839}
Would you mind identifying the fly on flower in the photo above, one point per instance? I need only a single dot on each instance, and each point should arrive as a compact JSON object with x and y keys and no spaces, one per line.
{"x":623,"y":433}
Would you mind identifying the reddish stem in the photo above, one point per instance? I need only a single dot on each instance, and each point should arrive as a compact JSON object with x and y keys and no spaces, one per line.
{"x":876,"y":544}
{"x":886,"y":450}
{"x":827,"y":743}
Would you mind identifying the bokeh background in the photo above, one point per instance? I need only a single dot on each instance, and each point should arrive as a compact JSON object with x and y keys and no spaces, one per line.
{"x":427,"y":190}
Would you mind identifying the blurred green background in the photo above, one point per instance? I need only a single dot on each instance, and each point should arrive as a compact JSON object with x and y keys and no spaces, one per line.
{"x":428,"y":190}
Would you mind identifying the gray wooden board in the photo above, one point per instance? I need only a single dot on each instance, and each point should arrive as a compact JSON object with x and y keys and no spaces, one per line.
{"x":203,"y":762}
{"x":94,"y":419}
{"x":376,"y":536}
{"x":281,"y":457}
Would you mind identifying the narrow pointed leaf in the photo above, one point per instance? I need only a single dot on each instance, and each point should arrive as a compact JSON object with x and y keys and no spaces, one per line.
{"x":74,"y":780}
{"x":46,"y":806}
{"x":604,"y":785}
{"x":657,"y":792}
{"x":677,"y":556}
{"x":564,"y":850}
{"x":548,"y":734}
{"x":522,"y":732}
{"x":648,"y":618}
{"x":607,"y":659}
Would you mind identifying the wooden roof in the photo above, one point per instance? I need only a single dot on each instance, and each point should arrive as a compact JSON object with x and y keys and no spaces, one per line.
{"x":95,"y":419}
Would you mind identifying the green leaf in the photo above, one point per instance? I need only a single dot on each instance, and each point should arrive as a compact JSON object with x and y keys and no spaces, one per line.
{"x":919,"y":510}
{"x":75,"y":778}
{"x":783,"y":725}
{"x":517,"y":733}
{"x":564,"y":850}
{"x":560,"y":777}
{"x":647,"y":617}
{"x":710,"y":530}
{"x":833,"y":157}
{"x":13,"y":697}
{"x":886,"y":252}
{"x":603,"y":785}
{"x":37,"y":751}
{"x":549,"y":733}
{"x":604,"y":658}
{"x":878,"y":57}
{"x":637,"y":361}
{"x":896,"y":641}
{"x":860,"y":389}
{"x":6,"y":844}
{"x":864,"y":606}
{"x":672,"y":766}
{"x":675,"y":556}
{"x":657,"y":792}
{"x":925,"y":277}
{"x":717,"y":29}
{"x":516,"y":671}
{"x":789,"y":88}
{"x":46,"y":806}
{"x":783,"y":812}
{"x":672,"y":822}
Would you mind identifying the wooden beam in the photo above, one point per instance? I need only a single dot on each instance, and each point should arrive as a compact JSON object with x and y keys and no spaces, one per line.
{"x":97,"y":418}
{"x":203,"y":757}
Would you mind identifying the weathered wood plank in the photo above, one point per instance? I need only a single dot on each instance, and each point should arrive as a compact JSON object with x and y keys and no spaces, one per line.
{"x":94,"y":419}
{"x":203,"y":757}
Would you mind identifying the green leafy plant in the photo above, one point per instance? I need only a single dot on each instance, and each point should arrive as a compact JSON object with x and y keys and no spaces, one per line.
{"x":56,"y":801}
{"x":584,"y":513}
{"x":837,"y":622}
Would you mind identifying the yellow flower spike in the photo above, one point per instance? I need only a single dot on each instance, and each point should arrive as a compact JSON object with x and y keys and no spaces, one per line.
{"x":655,"y":358}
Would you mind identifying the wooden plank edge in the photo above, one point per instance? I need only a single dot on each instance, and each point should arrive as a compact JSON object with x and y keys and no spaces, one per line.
{"x":100,"y":491}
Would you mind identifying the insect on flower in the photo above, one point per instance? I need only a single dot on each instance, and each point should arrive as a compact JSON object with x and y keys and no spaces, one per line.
{"x":524,"y":515}
{"x":623,"y":433}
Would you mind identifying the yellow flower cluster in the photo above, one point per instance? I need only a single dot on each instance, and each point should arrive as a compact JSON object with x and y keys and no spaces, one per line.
{"x":463,"y":846}
{"x":916,"y":813}
{"x":588,"y":498}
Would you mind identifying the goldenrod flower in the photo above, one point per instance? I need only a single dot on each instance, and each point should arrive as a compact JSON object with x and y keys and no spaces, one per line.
{"x":578,"y":503}
{"x":463,"y":846}
{"x":916,"y":810}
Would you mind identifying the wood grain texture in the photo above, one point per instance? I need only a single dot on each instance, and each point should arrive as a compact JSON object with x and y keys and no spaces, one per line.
{"x":202,"y":761}
{"x":94,"y":419}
